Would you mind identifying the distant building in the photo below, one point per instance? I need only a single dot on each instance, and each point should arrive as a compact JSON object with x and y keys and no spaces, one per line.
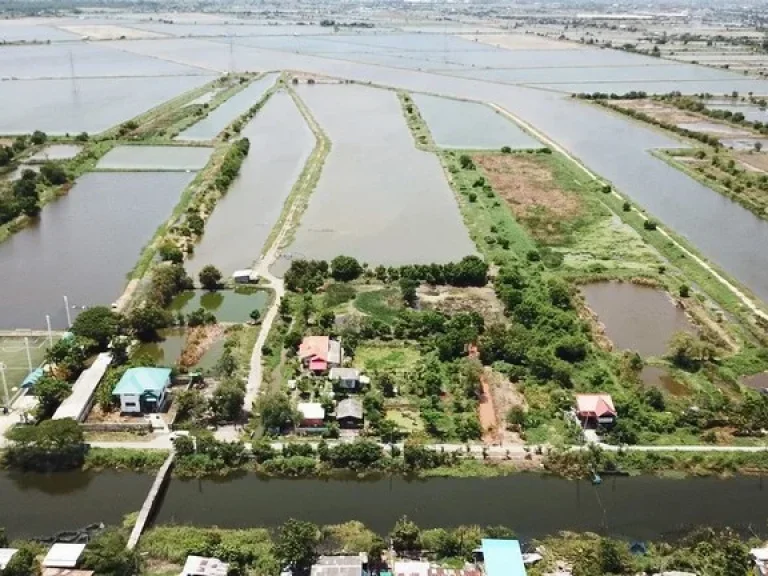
{"x":319,"y":353}
{"x":312,"y":415}
{"x":340,"y":566}
{"x":594,"y":409}
{"x":143,"y":390}
{"x":201,"y":566}
{"x":242,"y":276}
{"x":414,"y":568}
{"x":349,"y":413}
{"x":502,"y":557}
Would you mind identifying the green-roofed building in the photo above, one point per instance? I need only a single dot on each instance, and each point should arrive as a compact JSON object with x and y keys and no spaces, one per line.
{"x":143,"y":390}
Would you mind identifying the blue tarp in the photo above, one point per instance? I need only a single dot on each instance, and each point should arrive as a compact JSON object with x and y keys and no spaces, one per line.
{"x":503,"y":558}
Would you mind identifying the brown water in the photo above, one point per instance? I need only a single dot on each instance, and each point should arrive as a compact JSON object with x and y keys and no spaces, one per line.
{"x":756,"y":381}
{"x":658,"y":377}
{"x":636,"y":317}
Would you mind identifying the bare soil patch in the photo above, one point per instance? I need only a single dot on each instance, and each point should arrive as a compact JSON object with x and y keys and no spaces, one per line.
{"x":756,"y":161}
{"x":505,"y":395}
{"x":450,"y":300}
{"x":672,"y":115}
{"x":199,"y":340}
{"x":529,"y":188}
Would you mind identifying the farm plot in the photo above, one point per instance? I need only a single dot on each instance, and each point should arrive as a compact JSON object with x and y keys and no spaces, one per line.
{"x":379,"y":199}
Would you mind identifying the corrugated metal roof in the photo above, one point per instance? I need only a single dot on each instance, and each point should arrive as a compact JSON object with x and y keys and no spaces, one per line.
{"x":142,"y":380}
{"x":63,"y":555}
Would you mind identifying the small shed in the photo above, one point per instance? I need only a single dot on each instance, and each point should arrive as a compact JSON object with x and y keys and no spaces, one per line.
{"x":143,"y":390}
{"x":312,"y":414}
{"x":346,"y":378}
{"x":339,"y":566}
{"x":63,"y":555}
{"x":242,"y":276}
{"x":5,"y":556}
{"x":202,"y":566}
{"x":594,"y":409}
{"x":349,"y":413}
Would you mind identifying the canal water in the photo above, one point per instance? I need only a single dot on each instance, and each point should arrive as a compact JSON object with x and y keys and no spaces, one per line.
{"x":643,"y":507}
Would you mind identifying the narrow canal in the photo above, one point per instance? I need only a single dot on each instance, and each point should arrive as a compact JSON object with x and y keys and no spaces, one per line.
{"x":643,"y":507}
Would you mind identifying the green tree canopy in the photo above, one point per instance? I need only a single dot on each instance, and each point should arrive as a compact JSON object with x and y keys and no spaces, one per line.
{"x":210,"y":277}
{"x":276,"y":411}
{"x":345,"y":268}
{"x":296,"y":545}
{"x":99,"y":323}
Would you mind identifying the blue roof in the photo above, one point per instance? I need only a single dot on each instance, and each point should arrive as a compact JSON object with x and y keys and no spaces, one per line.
{"x":142,"y":381}
{"x":503,"y":558}
{"x":32,"y":378}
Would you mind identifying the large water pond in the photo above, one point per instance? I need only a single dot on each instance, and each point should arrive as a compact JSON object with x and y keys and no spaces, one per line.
{"x":84,"y":104}
{"x":155,"y":158}
{"x":227,"y":305}
{"x":218,"y":119}
{"x":458,"y":124}
{"x":379,"y":199}
{"x":83,"y":245}
{"x":636,"y":317}
{"x":235,"y":234}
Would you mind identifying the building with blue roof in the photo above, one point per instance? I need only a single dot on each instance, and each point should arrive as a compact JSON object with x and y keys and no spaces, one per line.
{"x":503,"y":557}
{"x":143,"y":390}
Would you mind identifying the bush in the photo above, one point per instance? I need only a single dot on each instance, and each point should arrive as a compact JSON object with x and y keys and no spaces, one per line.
{"x":54,"y":174}
{"x":649,"y":224}
{"x":684,"y":291}
{"x":626,"y":206}
{"x":210,"y":277}
{"x":506,"y":150}
{"x":345,"y":269}
{"x":472,"y":197}
{"x":99,"y":324}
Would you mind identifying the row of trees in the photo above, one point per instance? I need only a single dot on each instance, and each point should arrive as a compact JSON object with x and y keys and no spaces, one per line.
{"x":310,"y":275}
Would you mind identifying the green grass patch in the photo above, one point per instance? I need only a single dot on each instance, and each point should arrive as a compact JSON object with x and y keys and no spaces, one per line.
{"x":408,"y":420}
{"x":386,"y":357}
{"x":384,"y":304}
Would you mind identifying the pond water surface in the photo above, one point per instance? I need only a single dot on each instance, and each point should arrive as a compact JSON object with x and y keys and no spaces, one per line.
{"x":659,"y":377}
{"x":235,"y":233}
{"x":155,"y":158}
{"x":83,"y":245}
{"x":56,"y":152}
{"x":223,"y":115}
{"x":636,"y":317}
{"x":227,"y":305}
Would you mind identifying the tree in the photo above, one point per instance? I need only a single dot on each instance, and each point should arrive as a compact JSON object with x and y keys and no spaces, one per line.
{"x":38,"y":137}
{"x":255,"y":315}
{"x":405,"y":536}
{"x":169,"y":252}
{"x":345,"y":269}
{"x":408,"y":291}
{"x":147,"y":320}
{"x":210,"y":277}
{"x":99,"y":324}
{"x":612,"y":557}
{"x":276,"y":411}
{"x":50,"y":393}
{"x":758,"y":146}
{"x":465,"y":161}
{"x":227,"y":401}
{"x":51,"y":445}
{"x":107,"y":555}
{"x":54,"y":174}
{"x":296,"y":545}
{"x":687,"y":352}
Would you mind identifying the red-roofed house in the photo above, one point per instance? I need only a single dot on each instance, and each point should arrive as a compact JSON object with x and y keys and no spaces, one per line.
{"x":320,"y":353}
{"x":594,"y":409}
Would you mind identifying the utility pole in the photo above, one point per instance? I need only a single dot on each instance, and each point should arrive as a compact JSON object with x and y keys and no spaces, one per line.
{"x":5,"y":385}
{"x":66,"y":307}
{"x":50,"y":332}
{"x":29,"y":356}
{"x":72,"y":72}
{"x":231,"y":55}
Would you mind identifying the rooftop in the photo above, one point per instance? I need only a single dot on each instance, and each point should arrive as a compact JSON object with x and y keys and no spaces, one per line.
{"x":143,"y":380}
{"x":311,"y":410}
{"x":338,"y":566}
{"x":314,"y":347}
{"x":503,"y":557}
{"x":63,"y":555}
{"x":83,"y":389}
{"x":597,"y":404}
{"x":350,"y":408}
{"x":5,"y":556}
{"x":344,"y":374}
{"x":202,"y":566}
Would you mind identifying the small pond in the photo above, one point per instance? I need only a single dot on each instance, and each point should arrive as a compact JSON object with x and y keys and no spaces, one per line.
{"x":636,"y":317}
{"x":756,"y":381}
{"x":228,"y":305}
{"x":56,"y":152}
{"x":155,"y":158}
{"x":658,"y":377}
{"x":167,"y":350}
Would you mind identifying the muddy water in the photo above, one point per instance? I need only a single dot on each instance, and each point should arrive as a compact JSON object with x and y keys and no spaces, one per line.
{"x":227,"y":305}
{"x":379,"y":199}
{"x":83,"y":245}
{"x":167,"y":350}
{"x":636,"y":317}
{"x":756,"y":381}
{"x":155,"y":158}
{"x":658,"y":377}
{"x":235,"y":234}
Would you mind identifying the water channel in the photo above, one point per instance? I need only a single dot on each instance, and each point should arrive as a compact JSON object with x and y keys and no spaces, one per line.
{"x":534,"y":505}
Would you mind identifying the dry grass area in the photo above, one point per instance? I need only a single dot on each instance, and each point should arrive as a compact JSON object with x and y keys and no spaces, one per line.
{"x":673,"y":115}
{"x":505,"y":395}
{"x":755,"y":161}
{"x":451,"y":299}
{"x":528,"y":186}
{"x":199,"y":340}
{"x":111,"y":32}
